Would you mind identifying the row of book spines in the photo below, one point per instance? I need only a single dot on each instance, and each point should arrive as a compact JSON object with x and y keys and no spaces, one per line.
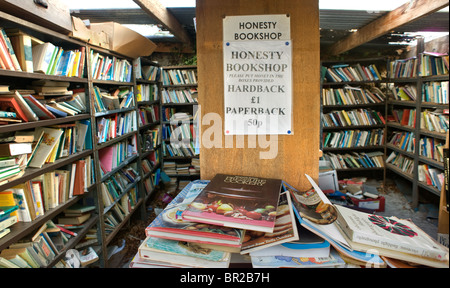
{"x":353,"y":117}
{"x":153,"y":137}
{"x":117,"y":125}
{"x":149,"y":165}
{"x":430,"y":176}
{"x":182,"y":150}
{"x":112,"y":156}
{"x":354,"y":138}
{"x":405,"y":117}
{"x":435,"y":92}
{"x":147,"y":92}
{"x":357,"y":72}
{"x":426,"y":65}
{"x":115,"y":186}
{"x":350,"y":96}
{"x":432,"y":148}
{"x":179,"y":76}
{"x":355,"y":160}
{"x":434,"y":122}
{"x":403,"y":162}
{"x":178,"y":132}
{"x":121,"y":210}
{"x":148,"y":114}
{"x":101,"y":103}
{"x":403,"y":140}
{"x":109,"y":68}
{"x":178,"y":96}
{"x":40,"y":250}
{"x":37,"y":196}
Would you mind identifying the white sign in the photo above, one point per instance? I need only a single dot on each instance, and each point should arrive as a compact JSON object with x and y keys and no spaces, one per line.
{"x":258,"y":87}
{"x":256,"y":28}
{"x":257,"y":75}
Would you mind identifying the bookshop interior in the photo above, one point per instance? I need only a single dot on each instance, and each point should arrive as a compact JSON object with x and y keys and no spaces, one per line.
{"x":138,"y":134}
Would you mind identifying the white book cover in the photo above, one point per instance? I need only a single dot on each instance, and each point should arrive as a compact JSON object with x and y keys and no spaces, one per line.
{"x":389,"y":233}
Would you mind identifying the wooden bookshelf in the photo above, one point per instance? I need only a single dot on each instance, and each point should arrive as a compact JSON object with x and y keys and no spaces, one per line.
{"x":93,"y":195}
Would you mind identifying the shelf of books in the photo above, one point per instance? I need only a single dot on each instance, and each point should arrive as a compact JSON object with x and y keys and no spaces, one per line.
{"x":116,"y":141}
{"x":179,"y":123}
{"x":353,"y":115}
{"x":148,"y":90}
{"x":46,"y":147}
{"x":417,"y":120}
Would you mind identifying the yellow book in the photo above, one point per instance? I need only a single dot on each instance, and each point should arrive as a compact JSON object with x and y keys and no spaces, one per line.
{"x":346,"y":117}
{"x":76,"y":62}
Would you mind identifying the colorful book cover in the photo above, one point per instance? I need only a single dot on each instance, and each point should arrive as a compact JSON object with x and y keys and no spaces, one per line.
{"x":285,"y":229}
{"x":170,"y":225}
{"x":242,"y":202}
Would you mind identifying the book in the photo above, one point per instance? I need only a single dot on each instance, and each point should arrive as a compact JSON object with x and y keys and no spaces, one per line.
{"x":44,"y":148}
{"x":389,"y":233}
{"x":4,"y":224}
{"x":183,"y":253}
{"x":75,"y":220}
{"x":10,"y":104}
{"x":331,"y":261}
{"x":308,"y":245}
{"x":22,"y":44}
{"x":38,"y":108}
{"x":42,"y":56}
{"x":328,"y":230}
{"x":285,"y":229}
{"x":13,"y":149}
{"x":241,"y":202}
{"x":170,"y":225}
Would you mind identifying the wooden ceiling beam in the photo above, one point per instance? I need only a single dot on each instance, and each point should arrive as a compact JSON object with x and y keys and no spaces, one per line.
{"x":157,"y":11}
{"x":408,"y":12}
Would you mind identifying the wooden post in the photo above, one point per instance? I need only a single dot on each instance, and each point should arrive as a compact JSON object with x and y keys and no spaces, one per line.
{"x":296,"y":154}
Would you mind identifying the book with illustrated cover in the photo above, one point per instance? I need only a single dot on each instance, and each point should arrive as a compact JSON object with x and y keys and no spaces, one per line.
{"x":389,"y":233}
{"x":285,"y":229}
{"x":183,"y":253}
{"x":170,"y":225}
{"x":242,"y":202}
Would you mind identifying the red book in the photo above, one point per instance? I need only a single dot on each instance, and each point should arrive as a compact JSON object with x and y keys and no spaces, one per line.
{"x":10,"y":104}
{"x":78,"y":187}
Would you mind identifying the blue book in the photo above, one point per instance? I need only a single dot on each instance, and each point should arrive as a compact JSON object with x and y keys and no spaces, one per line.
{"x":5,"y":211}
{"x":55,"y":112}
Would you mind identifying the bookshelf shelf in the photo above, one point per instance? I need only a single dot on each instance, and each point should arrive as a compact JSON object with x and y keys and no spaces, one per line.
{"x":422,"y":167}
{"x":41,"y":123}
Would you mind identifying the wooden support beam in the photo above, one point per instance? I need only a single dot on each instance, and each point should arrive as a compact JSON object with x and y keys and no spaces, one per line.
{"x":157,"y":11}
{"x":408,"y":12}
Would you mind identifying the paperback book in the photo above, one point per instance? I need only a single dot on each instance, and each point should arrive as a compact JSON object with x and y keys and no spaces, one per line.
{"x":241,"y":202}
{"x":285,"y":229}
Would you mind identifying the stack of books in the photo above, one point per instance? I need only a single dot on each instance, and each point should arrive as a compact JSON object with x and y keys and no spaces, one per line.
{"x":277,"y":226}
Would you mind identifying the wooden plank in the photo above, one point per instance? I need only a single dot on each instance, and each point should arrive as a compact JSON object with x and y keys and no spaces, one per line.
{"x":296,"y":154}
{"x":404,"y":14}
{"x":56,"y":16}
{"x":157,"y":11}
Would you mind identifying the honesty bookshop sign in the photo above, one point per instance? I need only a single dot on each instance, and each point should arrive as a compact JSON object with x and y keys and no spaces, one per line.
{"x":257,"y":75}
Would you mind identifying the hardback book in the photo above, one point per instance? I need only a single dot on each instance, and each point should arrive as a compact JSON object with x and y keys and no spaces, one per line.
{"x":242,"y":202}
{"x":285,"y":229}
{"x":388,"y":233}
{"x":183,"y":253}
{"x":170,"y":225}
